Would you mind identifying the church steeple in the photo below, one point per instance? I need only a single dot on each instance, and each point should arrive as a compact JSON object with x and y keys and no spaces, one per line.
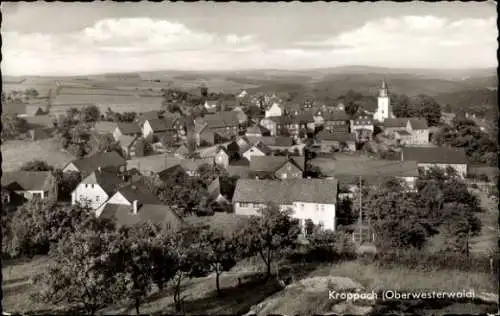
{"x":383,"y":90}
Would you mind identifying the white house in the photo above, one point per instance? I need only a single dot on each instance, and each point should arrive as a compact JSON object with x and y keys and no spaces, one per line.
{"x":222,"y":158}
{"x":409,"y":130}
{"x":210,"y":105}
{"x":313,"y":199}
{"x":441,"y":157}
{"x":384,"y":108}
{"x":274,"y":110}
{"x":95,"y":189}
{"x":259,"y":149}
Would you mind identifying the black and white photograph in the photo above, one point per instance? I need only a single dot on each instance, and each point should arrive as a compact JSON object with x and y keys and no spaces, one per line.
{"x":249,"y":158}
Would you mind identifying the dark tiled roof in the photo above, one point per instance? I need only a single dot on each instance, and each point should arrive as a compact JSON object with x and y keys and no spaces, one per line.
{"x":434,"y":155}
{"x":403,"y":132}
{"x":277,"y":141}
{"x":150,"y":115}
{"x":286,"y":191}
{"x":395,"y":122}
{"x":303,"y":118}
{"x":158,"y":214}
{"x":222,"y":119}
{"x":241,"y":171}
{"x":221,"y":186}
{"x":264,"y":148}
{"x":108,"y":181}
{"x":367,"y":168}
{"x":25,"y":180}
{"x":418,"y":123}
{"x":159,"y":125}
{"x":335,"y":115}
{"x":340,"y":137}
{"x":102,"y":159}
{"x":129,"y":128}
{"x":283,"y":120}
{"x":273,"y":163}
{"x":138,"y":191}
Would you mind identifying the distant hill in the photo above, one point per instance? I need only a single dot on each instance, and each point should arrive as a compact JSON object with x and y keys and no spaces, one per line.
{"x":470,"y":100}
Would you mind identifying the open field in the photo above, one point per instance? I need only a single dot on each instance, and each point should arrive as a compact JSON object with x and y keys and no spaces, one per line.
{"x":15,"y":153}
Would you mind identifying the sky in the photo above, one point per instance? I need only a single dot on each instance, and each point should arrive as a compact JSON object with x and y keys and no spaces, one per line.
{"x":41,"y":38}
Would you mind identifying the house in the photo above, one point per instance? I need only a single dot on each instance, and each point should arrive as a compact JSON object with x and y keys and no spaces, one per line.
{"x":127,"y":144}
{"x":257,"y":131}
{"x":242,"y":117}
{"x":274,"y":110}
{"x":220,"y":191}
{"x":154,"y":129}
{"x":149,"y":115}
{"x":211,"y":106}
{"x":335,"y":141}
{"x":304,"y":120}
{"x":104,"y":160}
{"x":95,"y":189}
{"x":277,"y":167}
{"x":271,"y":124}
{"x":336,"y":121}
{"x":222,"y":157}
{"x":362,"y":126}
{"x":223,"y":122}
{"x":407,"y":131}
{"x":313,"y":199}
{"x":258,"y":149}
{"x":441,"y":157}
{"x":372,"y":172}
{"x":134,"y":203}
{"x":21,"y":185}
{"x":128,"y":129}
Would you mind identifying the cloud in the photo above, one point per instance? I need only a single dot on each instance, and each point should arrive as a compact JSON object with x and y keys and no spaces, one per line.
{"x":132,"y":44}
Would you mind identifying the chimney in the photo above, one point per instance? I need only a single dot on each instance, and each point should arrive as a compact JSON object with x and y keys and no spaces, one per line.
{"x":134,"y":207}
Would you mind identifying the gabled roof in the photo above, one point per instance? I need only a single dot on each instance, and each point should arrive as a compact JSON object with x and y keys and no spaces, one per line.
{"x":418,"y":123}
{"x":25,"y":180}
{"x":273,"y":163}
{"x":122,"y":215}
{"x":403,"y":132}
{"x":262,"y":147}
{"x":277,"y":141}
{"x":286,"y":191}
{"x":101,"y":159}
{"x":129,"y":128}
{"x":158,"y":125}
{"x":150,"y":115}
{"x":222,"y":119}
{"x":126,"y":140}
{"x":302,"y":118}
{"x":378,"y":168}
{"x":255,"y":129}
{"x":108,"y":181}
{"x":434,"y":155}
{"x":138,"y":191}
{"x":335,"y":115}
{"x":182,"y":150}
{"x":337,"y":136}
{"x":399,"y":122}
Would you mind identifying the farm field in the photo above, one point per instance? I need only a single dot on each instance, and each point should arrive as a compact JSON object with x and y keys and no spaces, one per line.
{"x":18,"y":152}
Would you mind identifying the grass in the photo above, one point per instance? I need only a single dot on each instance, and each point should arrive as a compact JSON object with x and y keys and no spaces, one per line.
{"x":15,"y":153}
{"x":402,"y":278}
{"x":16,"y":284}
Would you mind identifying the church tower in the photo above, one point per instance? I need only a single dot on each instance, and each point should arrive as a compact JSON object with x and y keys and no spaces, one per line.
{"x":384,"y":109}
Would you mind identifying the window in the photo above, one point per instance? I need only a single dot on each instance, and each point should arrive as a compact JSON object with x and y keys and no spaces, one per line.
{"x":86,"y":185}
{"x":301,"y":205}
{"x":92,"y":186}
{"x":37,"y":195}
{"x":244,"y":204}
{"x":322,"y":207}
{"x":97,"y":198}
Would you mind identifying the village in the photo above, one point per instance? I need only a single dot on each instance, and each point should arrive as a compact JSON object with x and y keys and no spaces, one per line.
{"x":233,"y":159}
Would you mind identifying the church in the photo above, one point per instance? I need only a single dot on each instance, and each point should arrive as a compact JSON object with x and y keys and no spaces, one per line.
{"x":384,"y":108}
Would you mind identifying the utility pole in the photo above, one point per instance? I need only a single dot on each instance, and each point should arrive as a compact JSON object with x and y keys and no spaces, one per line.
{"x":360,"y":212}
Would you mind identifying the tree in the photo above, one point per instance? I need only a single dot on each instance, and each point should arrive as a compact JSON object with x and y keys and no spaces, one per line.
{"x":426,"y":107}
{"x":39,"y":223}
{"x":106,"y":142}
{"x":208,"y":173}
{"x":220,"y":252}
{"x":128,"y":117}
{"x":91,"y":114}
{"x":36,"y":165}
{"x":268,"y":234}
{"x":138,"y":248}
{"x":459,"y":225}
{"x":189,"y":259}
{"x":13,"y":126}
{"x":84,"y":271}
{"x":31,"y":93}
{"x":351,"y":107}
{"x":401,"y":106}
{"x":66,"y":183}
